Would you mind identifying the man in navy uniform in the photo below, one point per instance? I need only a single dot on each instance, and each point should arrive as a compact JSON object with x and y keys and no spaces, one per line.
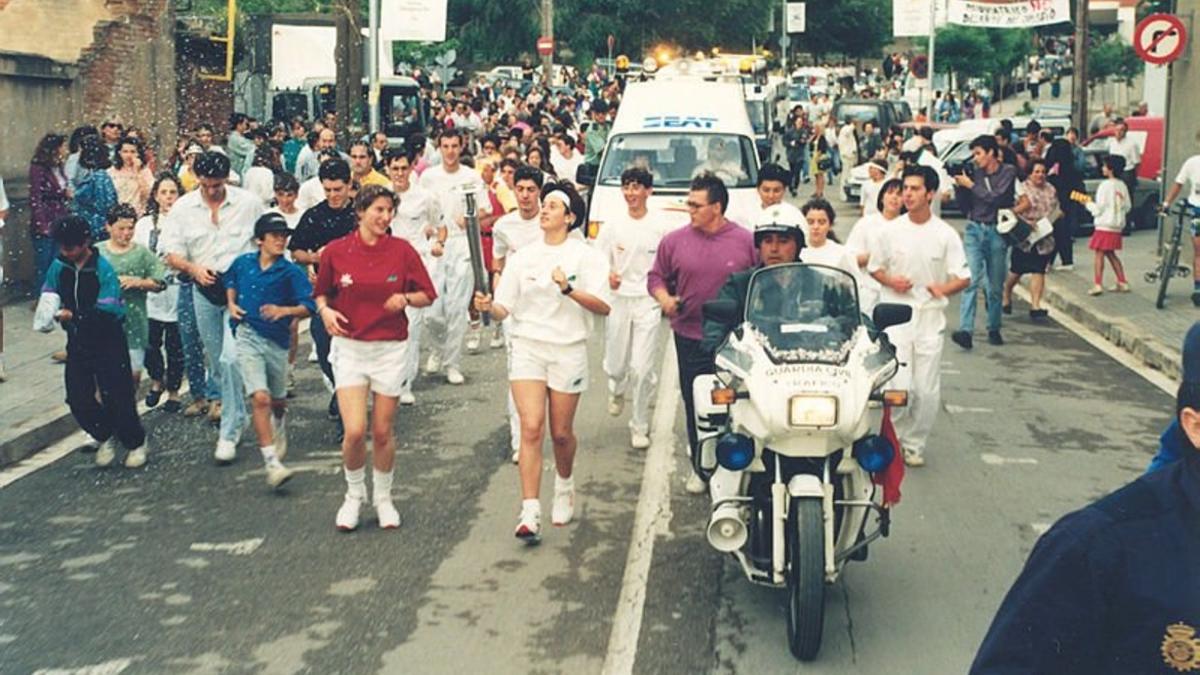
{"x":1115,"y":586}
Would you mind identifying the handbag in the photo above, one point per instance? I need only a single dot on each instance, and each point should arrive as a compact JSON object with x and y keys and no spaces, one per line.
{"x":214,"y":293}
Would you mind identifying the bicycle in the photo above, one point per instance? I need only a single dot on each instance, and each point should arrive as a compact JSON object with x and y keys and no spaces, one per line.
{"x":1168,"y":260}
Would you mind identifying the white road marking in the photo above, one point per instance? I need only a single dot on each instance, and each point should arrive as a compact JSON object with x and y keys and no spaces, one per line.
{"x":651,"y":519}
{"x":244,"y":547}
{"x":107,"y":668}
{"x":1154,"y":377}
{"x":959,"y":409}
{"x":999,"y":460}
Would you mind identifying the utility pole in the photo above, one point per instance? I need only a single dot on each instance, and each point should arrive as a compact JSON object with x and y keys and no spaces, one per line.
{"x":373,"y":67}
{"x":933,"y":7}
{"x":1079,"y":78}
{"x":548,"y":31}
{"x":349,"y":60}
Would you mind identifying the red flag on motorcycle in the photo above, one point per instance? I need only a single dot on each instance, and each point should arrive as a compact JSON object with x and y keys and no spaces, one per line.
{"x":891,"y":477}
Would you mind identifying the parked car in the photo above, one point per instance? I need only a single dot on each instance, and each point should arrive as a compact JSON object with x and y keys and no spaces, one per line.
{"x":881,"y":112}
{"x":1145,"y":197}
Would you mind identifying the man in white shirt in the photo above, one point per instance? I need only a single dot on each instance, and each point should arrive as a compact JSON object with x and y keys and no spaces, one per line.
{"x":919,"y":261}
{"x":311,"y":191}
{"x":634,"y":331}
{"x":418,"y":217}
{"x":564,"y":158}
{"x":1189,"y":174}
{"x":847,"y":145}
{"x":448,"y":316}
{"x":205,"y":230}
{"x":1122,"y":144}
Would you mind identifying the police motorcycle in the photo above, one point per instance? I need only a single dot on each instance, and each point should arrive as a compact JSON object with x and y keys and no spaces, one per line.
{"x":789,"y":426}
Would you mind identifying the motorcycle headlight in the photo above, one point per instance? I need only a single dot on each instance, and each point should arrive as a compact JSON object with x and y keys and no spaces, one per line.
{"x":812,"y":411}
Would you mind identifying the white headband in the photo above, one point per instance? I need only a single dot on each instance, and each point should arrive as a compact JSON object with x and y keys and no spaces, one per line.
{"x":562,"y":198}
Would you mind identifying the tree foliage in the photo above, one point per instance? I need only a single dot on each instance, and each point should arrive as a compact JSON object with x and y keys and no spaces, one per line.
{"x":852,"y":28}
{"x":1113,"y":58}
{"x":970,"y":51}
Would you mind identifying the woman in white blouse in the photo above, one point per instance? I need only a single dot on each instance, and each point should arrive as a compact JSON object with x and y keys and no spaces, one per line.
{"x":821,"y":247}
{"x":548,"y":293}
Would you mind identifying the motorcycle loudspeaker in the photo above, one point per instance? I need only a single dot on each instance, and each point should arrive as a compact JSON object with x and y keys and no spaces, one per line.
{"x":874,"y":453}
{"x":735,"y":451}
{"x":726,"y":531}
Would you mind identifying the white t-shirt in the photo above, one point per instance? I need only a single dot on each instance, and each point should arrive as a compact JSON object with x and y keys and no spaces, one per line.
{"x":832,"y":254}
{"x":563,"y":166}
{"x":537,"y":308}
{"x":1127,"y":148}
{"x":446,"y":187}
{"x":417,"y":218}
{"x":512,"y":233}
{"x":630,"y":246}
{"x":261,"y":181}
{"x":162,"y":305}
{"x":310,"y":194}
{"x":870,"y":196}
{"x":293,"y":218}
{"x":928,"y":253}
{"x":1189,"y":174}
{"x":860,"y":241}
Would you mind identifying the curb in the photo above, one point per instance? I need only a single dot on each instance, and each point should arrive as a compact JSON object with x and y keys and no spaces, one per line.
{"x":1128,"y":336}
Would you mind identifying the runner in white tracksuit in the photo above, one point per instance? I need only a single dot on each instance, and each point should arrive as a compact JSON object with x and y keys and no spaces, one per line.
{"x":919,"y":260}
{"x":418,"y":217}
{"x":447,"y":319}
{"x":635,"y":327}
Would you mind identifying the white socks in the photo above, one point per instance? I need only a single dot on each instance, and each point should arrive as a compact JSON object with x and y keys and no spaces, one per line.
{"x":381,"y":482}
{"x":268,"y":455}
{"x":563,"y":484}
{"x":356,"y":483}
{"x":531,"y":505}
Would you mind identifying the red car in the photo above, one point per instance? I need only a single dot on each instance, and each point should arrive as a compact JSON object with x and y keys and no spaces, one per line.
{"x":1148,"y":132}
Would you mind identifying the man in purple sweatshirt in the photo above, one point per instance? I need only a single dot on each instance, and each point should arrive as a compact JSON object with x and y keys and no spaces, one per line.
{"x":692,"y":264}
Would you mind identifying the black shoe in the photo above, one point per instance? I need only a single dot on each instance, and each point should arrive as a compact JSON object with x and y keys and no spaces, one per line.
{"x":994,"y":338}
{"x":1039,"y":314}
{"x":962,"y":338}
{"x":1007,"y":309}
{"x":153,"y":397}
{"x":1196,"y":298}
{"x":172,"y":406}
{"x":332,"y":410}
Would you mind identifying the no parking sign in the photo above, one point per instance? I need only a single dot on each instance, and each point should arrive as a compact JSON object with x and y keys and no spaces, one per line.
{"x":1159,"y":39}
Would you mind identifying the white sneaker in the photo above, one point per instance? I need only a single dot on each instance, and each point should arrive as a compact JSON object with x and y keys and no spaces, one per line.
{"x":695,"y":485}
{"x":226,"y":452}
{"x":516,"y":457}
{"x":497,"y":341}
{"x":407,"y":398}
{"x":312,"y":355}
{"x":616,"y":404}
{"x":639,"y":441}
{"x":454,"y":375}
{"x":529,"y":527}
{"x":389,"y":517}
{"x":136,"y":458}
{"x":1064,"y":268}
{"x":434,"y":364}
{"x":347,"y":515}
{"x":913,"y":458}
{"x":473,"y":343}
{"x":278,"y":474}
{"x":564,"y":507}
{"x":105,"y":455}
{"x":281,"y":439}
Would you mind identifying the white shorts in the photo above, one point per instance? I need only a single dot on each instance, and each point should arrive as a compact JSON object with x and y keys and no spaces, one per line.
{"x":564,"y":368}
{"x":376,"y":364}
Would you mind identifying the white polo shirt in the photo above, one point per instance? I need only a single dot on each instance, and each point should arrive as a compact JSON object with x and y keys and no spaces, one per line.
{"x":188,"y":230}
{"x":418,"y":215}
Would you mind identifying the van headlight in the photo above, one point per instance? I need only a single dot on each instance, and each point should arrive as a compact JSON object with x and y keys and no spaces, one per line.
{"x":812,"y":411}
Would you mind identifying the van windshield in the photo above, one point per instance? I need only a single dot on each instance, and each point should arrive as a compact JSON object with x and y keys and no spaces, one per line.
{"x":675,"y":158}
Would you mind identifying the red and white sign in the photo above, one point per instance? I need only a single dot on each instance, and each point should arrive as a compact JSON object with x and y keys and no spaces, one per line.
{"x":545,"y":46}
{"x":1159,"y":39}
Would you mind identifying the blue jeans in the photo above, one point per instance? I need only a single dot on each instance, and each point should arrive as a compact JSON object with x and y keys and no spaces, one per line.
{"x":221,"y":352}
{"x":43,"y":254}
{"x":193,"y":349}
{"x":987,"y":253}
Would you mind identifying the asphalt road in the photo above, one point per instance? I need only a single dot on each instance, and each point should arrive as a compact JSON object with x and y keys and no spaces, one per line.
{"x":185,"y":567}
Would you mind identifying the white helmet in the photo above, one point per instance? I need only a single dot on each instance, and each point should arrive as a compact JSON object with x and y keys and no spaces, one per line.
{"x":781,"y":219}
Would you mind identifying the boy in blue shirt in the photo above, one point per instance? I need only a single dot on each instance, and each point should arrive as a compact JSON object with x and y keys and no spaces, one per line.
{"x":93,"y":315}
{"x":265,"y":291}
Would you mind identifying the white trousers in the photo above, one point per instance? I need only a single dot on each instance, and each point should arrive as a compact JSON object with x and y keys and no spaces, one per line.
{"x":412,"y":358}
{"x":447,"y":319}
{"x":918,"y":346}
{"x":632,"y":351}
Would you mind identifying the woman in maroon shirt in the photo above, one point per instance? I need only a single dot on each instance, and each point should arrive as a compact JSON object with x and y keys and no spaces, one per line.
{"x":49,"y":199}
{"x":365,"y":280}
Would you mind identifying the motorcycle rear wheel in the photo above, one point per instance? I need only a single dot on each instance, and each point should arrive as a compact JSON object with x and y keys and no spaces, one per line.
{"x":805,"y":578}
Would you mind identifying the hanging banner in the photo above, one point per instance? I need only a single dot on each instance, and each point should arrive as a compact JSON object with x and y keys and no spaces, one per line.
{"x":412,"y":20}
{"x":1008,"y":13}
{"x":795,"y":17}
{"x":910,"y":18}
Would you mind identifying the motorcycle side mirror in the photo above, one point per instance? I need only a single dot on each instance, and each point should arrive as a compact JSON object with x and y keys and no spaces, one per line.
{"x":888,"y":314}
{"x":722,"y":311}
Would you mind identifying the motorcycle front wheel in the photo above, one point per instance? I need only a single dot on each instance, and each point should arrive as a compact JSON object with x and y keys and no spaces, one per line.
{"x":806,"y":578}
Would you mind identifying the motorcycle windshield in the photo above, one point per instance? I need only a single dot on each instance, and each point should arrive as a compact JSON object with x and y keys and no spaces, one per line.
{"x":804,"y":313}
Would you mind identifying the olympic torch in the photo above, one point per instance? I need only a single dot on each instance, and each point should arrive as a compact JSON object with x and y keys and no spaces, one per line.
{"x":475,"y":246}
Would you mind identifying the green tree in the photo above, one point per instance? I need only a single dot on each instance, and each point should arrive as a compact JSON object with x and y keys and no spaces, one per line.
{"x":970,"y":51}
{"x":1113,"y":58}
{"x":850,"y":28}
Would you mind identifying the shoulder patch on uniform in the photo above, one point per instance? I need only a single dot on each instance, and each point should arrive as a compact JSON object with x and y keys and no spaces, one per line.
{"x":1181,"y":649}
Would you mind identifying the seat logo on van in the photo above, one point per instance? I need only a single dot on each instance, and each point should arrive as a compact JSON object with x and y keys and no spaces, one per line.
{"x":678,"y":122}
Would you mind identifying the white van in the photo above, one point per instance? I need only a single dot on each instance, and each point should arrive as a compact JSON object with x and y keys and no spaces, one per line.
{"x":677,"y":129}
